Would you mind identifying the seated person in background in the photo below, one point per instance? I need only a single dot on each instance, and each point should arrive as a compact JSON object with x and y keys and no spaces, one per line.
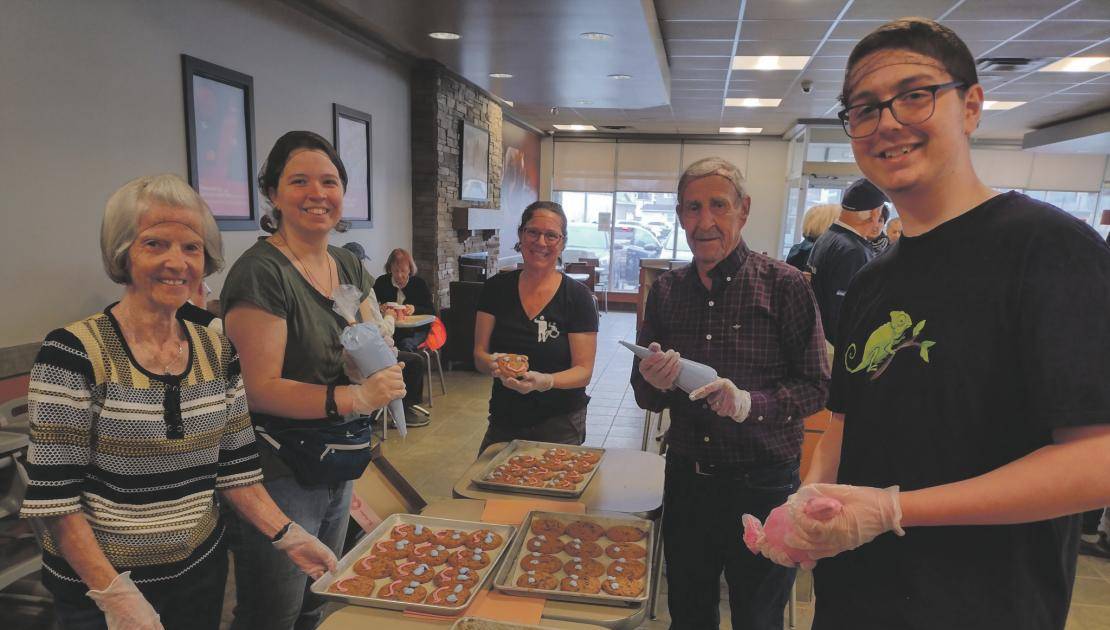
{"x":817,"y":219}
{"x":880,"y":241}
{"x":401,"y":285}
{"x":894,"y":230}
{"x":129,"y":486}
{"x":538,"y":312}
{"x":415,"y":414}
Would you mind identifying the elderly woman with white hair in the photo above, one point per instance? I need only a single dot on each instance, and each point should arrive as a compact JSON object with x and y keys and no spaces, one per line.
{"x":139,"y":428}
{"x":816,"y":220}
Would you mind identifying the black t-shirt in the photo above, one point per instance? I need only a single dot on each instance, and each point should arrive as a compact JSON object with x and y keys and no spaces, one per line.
{"x":998,"y":323}
{"x":543,"y":339}
{"x":837,"y":257}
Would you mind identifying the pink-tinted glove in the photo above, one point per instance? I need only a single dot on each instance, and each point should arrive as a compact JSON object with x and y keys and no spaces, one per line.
{"x":529,"y":382}
{"x":661,"y":368}
{"x":769,"y":539}
{"x":866,"y":513}
{"x":306,"y":551}
{"x":725,"y":399}
{"x":124,"y":606}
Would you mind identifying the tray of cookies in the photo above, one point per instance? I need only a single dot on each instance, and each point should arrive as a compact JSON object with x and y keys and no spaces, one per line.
{"x":477,"y":623}
{"x":418,"y":563}
{"x":547,"y":468}
{"x":600,"y":558}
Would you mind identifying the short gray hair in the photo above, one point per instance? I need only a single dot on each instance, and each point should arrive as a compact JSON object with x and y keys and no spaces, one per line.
{"x":712,"y":166}
{"x":120,"y":225}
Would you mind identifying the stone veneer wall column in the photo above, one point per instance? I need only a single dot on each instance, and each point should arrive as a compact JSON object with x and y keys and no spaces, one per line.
{"x":440,"y":102}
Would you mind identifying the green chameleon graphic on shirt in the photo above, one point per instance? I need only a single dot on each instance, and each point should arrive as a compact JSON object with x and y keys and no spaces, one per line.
{"x":885,"y":341}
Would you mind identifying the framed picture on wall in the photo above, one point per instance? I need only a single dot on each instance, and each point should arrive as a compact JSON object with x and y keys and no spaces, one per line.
{"x":219,"y":132}
{"x":474,"y":170}
{"x":352,"y":140}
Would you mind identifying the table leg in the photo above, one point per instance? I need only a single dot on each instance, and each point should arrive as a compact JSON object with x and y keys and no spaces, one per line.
{"x":647,"y":430}
{"x":657,"y":570}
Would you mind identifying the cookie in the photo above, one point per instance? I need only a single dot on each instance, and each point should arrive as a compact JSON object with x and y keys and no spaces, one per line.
{"x":392,"y":549}
{"x":535,"y":579}
{"x":540,"y":473}
{"x":622,"y":586}
{"x":540,"y":562}
{"x":472,"y":559}
{"x":402,"y":590}
{"x":580,"y":584}
{"x":561,"y":484}
{"x":625,"y":533}
{"x":557,"y":453}
{"x":532,"y":482}
{"x":431,"y":554}
{"x":632,"y":569}
{"x":584,"y":466}
{"x":450,"y":538}
{"x":416,"y":571}
{"x":412,"y":533}
{"x":512,"y":365}
{"x":484,"y":539}
{"x":582,"y":549}
{"x":571,"y":476}
{"x":625,"y":550}
{"x":550,"y":527}
{"x":556,"y":464}
{"x":449,"y":596}
{"x":544,"y":544}
{"x":524,"y":461}
{"x":457,"y":575}
{"x":584,"y":566}
{"x":361,"y":585}
{"x":374,"y":567}
{"x":587,"y":456}
{"x":585,"y":530}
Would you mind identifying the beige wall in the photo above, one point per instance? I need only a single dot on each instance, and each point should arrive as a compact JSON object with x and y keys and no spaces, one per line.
{"x":766,"y":183}
{"x":92,"y":98}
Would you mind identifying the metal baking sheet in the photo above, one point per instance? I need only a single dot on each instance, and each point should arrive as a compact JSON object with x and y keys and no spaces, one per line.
{"x":517,"y":447}
{"x":477,"y":623}
{"x":510,"y":570}
{"x":343,"y":569}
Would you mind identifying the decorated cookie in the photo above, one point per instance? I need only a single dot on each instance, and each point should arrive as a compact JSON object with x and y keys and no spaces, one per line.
{"x":484,"y":539}
{"x":470,"y":558}
{"x":584,"y":566}
{"x":625,"y":533}
{"x":550,"y":527}
{"x":417,"y":571}
{"x":582,"y":549}
{"x":580,"y":584}
{"x":431,"y":554}
{"x":512,"y":365}
{"x":536,"y":579}
{"x":449,"y":595}
{"x":393,"y":549}
{"x":544,"y":544}
{"x":451,"y":576}
{"x":585,"y":530}
{"x":540,"y":562}
{"x":622,"y":586}
{"x":631,"y":551}
{"x":361,"y":585}
{"x":403,"y":590}
{"x":374,"y":567}
{"x":450,"y":538}
{"x":632,"y":569}
{"x":413,"y":533}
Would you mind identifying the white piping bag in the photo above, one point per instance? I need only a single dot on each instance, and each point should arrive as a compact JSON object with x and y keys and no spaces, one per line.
{"x":691,"y":374}
{"x":364,"y":343}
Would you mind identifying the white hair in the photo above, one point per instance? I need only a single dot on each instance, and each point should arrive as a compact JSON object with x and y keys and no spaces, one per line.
{"x":712,"y":166}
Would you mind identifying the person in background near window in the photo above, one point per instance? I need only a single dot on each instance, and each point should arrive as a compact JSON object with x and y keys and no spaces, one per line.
{"x":816,"y":220}
{"x":277,"y":301}
{"x":539,"y":312}
{"x":400,"y":285}
{"x":970,"y":401}
{"x":844,"y":249}
{"x":894,"y":230}
{"x":139,"y":429}
{"x":735,"y":444}
{"x":880,"y":241}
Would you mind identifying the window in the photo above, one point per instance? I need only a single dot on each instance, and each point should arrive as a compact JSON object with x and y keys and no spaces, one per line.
{"x":1081,"y":205}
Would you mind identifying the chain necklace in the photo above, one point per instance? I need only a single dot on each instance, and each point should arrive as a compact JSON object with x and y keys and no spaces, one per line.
{"x":311,"y":278}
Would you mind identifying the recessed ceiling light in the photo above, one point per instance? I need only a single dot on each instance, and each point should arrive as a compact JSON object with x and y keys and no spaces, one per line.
{"x":500,"y":75}
{"x":1001,"y":104}
{"x":575,"y":127}
{"x":752,"y":102}
{"x":1079,"y":64}
{"x":620,"y":77}
{"x":584,"y":101}
{"x":768,"y":62}
{"x":596,"y":37}
{"x":741,"y":129}
{"x":443,"y":35}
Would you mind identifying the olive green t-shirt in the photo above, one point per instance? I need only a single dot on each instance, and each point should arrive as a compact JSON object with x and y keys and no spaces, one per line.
{"x":264,"y":277}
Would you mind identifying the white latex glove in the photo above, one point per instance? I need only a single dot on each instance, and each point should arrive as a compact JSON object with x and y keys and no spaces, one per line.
{"x":494,"y":366}
{"x":378,"y":390}
{"x":725,"y":399}
{"x":660,"y":369}
{"x":306,"y":551}
{"x":865,"y":513}
{"x":350,"y":368}
{"x":124,"y":606}
{"x":529,"y":382}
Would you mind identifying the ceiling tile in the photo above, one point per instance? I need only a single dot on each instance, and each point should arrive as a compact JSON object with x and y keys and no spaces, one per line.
{"x":793,"y":9}
{"x":718,"y":82}
{"x":699,"y":29}
{"x":997,"y":30}
{"x":1087,"y":10}
{"x":787,"y":48}
{"x":1068,"y":30}
{"x":894,"y":9}
{"x":697,"y":74}
{"x":855,"y":29}
{"x":700,"y":10}
{"x":784,"y":29}
{"x":1012,"y":9}
{"x":681,"y":64}
{"x":979,"y":48}
{"x":699,"y":47}
{"x":828,"y":63}
{"x":838,"y":47}
{"x":1037,"y":50}
{"x":765,"y":77}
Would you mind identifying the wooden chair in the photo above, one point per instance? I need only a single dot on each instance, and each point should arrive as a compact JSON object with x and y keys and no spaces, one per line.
{"x":591,"y":277}
{"x":596,"y":264}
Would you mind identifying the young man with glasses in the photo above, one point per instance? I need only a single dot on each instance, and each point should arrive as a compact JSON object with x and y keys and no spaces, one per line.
{"x":969,"y":380}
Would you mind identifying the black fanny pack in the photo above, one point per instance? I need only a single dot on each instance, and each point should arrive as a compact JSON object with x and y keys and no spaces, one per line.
{"x":322,"y":454}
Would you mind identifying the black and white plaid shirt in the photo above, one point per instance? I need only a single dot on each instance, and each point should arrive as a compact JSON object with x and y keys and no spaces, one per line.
{"x":760,"y":328}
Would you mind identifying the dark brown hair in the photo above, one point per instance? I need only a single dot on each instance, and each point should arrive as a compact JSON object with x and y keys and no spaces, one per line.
{"x":284,"y":148}
{"x":531,"y":210}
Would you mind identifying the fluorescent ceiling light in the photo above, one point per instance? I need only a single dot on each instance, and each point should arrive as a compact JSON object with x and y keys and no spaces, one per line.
{"x":1079,"y":64}
{"x":741,"y":129}
{"x":584,"y":101}
{"x":768,"y":62}
{"x":500,"y":75}
{"x":575,"y":127}
{"x":1000,"y":105}
{"x":443,"y":35}
{"x":596,"y":37}
{"x":752,"y":102}
{"x":620,"y":77}
{"x":507,"y":102}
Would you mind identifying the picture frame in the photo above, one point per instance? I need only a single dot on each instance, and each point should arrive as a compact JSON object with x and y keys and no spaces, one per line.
{"x":353,"y":137}
{"x":219,"y":132}
{"x":474,"y":163}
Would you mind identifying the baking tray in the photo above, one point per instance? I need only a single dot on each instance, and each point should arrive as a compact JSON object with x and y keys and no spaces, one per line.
{"x":510,"y":570}
{"x":343,"y":568}
{"x":477,"y":623}
{"x":516,"y":447}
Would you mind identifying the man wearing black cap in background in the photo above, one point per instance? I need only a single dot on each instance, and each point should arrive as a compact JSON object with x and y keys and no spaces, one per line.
{"x":845,"y":248}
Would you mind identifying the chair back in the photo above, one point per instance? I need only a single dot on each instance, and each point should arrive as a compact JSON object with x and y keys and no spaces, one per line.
{"x":437,"y":336}
{"x":581,"y":267}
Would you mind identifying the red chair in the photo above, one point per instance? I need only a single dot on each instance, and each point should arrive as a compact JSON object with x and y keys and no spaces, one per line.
{"x":437,"y":336}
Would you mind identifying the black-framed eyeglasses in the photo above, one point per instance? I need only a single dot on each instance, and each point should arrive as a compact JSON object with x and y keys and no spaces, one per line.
{"x":171,"y":404}
{"x":911,"y":107}
{"x":535,"y":235}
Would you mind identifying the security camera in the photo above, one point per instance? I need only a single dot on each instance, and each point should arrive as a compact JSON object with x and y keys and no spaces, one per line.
{"x":807,"y":86}
{"x":554,"y":111}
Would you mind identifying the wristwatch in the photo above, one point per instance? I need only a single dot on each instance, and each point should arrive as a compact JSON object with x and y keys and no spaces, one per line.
{"x":330,"y":408}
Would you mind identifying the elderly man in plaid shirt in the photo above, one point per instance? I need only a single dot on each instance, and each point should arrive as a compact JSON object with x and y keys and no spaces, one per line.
{"x":735,"y":444}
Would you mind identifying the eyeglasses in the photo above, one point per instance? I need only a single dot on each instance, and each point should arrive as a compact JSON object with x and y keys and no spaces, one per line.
{"x":911,"y":107}
{"x":171,"y":404}
{"x":534,"y":235}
